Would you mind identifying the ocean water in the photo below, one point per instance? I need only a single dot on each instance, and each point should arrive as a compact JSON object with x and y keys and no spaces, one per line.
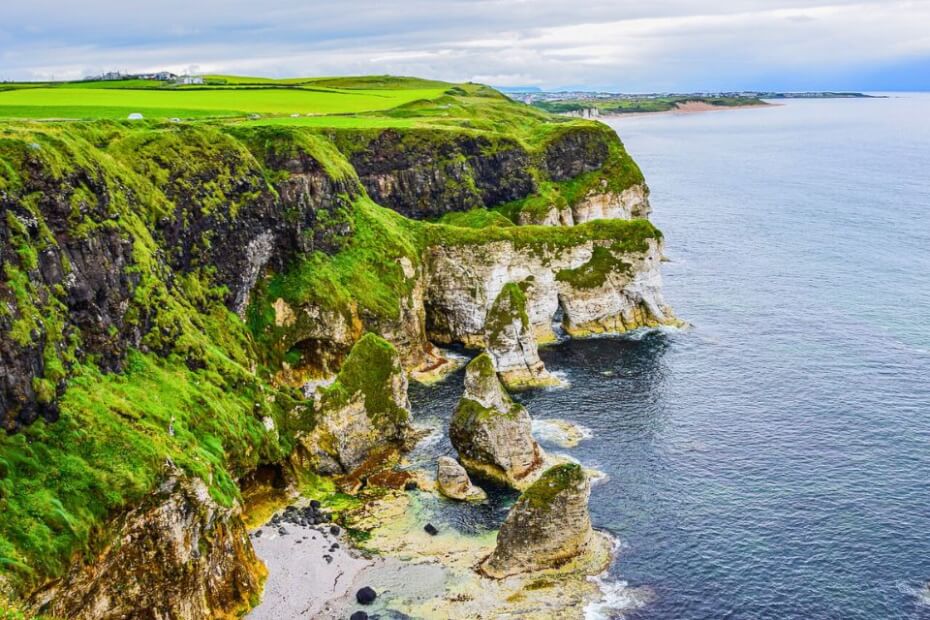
{"x":773,"y":460}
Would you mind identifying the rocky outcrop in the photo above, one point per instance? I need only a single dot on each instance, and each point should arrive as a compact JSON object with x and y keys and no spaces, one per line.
{"x":548,"y":526}
{"x":452,"y":481}
{"x":600,"y":285}
{"x":600,"y":204}
{"x":363,"y":412}
{"x":178,"y":554}
{"x":491,"y":433}
{"x":511,"y":341}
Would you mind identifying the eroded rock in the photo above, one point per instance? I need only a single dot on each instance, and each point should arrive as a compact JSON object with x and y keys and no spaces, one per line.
{"x":548,"y":526}
{"x":596,"y":286}
{"x":363,"y":412}
{"x":511,"y":341}
{"x":491,"y":432}
{"x":452,"y":481}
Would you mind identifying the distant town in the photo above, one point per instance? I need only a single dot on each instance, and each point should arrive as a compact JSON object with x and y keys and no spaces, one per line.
{"x":587,"y":104}
{"x":532,"y":95}
{"x":160,"y":76}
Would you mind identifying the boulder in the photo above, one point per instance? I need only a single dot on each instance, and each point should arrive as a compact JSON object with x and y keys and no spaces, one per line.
{"x":453,"y":481}
{"x":364,"y":412}
{"x":511,"y":341}
{"x":548,"y":526}
{"x":366,"y":595}
{"x":491,"y":433}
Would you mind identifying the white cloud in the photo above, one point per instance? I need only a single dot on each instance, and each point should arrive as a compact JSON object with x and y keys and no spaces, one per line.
{"x":623,"y":44}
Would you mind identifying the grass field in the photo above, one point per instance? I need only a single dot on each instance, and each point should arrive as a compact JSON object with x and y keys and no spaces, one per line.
{"x":224,"y":96}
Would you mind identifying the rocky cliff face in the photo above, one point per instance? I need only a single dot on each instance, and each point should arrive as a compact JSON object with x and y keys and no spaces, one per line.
{"x":421,"y":176}
{"x":599,"y":286}
{"x":178,"y":554}
{"x":548,"y":525}
{"x":491,"y":433}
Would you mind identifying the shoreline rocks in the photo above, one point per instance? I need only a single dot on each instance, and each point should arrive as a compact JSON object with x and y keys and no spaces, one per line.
{"x":452,"y":481}
{"x":548,"y":526}
{"x":492,"y":434}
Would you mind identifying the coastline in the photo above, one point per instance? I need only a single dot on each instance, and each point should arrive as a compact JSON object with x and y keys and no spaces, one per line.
{"x":315,"y":571}
{"x":692,"y":107}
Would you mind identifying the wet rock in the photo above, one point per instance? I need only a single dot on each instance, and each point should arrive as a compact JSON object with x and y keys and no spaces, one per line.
{"x":359,"y":615}
{"x":492,"y":433}
{"x":452,"y":481}
{"x":366,"y":596}
{"x":548,"y":525}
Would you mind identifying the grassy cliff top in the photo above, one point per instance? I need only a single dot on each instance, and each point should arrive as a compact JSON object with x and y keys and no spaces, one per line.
{"x":354,"y":103}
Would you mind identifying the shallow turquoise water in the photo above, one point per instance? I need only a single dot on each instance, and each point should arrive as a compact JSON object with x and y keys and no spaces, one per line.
{"x":773,"y":461}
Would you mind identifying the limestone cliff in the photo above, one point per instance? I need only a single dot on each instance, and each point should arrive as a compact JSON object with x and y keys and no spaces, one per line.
{"x":491,"y":433}
{"x":597,"y":285}
{"x":548,"y":525}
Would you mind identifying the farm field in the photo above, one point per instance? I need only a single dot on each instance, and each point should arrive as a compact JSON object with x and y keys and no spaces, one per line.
{"x":223,"y":96}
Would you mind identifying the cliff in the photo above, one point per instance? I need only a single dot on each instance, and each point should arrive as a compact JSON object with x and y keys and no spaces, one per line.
{"x":171,"y":293}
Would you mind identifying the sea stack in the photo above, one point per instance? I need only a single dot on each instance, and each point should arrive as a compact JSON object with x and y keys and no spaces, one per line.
{"x":452,"y":481}
{"x":491,"y":432}
{"x":511,"y":341}
{"x":548,"y":526}
{"x":364,"y":411}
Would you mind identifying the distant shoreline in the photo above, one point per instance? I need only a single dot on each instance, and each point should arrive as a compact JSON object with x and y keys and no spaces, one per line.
{"x":690,"y":107}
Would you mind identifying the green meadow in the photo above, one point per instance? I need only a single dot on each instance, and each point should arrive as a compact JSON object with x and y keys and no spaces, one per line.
{"x":220,"y":97}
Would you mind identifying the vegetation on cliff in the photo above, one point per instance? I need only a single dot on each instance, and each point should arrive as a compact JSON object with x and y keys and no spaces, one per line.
{"x":143,"y":263}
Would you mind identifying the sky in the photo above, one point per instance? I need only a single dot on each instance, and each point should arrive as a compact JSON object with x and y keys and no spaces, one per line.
{"x":619,"y":45}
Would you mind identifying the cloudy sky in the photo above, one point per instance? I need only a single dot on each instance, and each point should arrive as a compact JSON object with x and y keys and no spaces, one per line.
{"x":641,"y":45}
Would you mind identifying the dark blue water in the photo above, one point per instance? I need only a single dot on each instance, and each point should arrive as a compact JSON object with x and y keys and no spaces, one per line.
{"x":774,"y":460}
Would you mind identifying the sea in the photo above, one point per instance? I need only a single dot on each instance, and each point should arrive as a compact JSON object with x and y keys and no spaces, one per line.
{"x":771,"y":460}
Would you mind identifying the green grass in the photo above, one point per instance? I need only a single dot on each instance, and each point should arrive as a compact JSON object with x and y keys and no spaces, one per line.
{"x":59,"y":481}
{"x":115,"y":103}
